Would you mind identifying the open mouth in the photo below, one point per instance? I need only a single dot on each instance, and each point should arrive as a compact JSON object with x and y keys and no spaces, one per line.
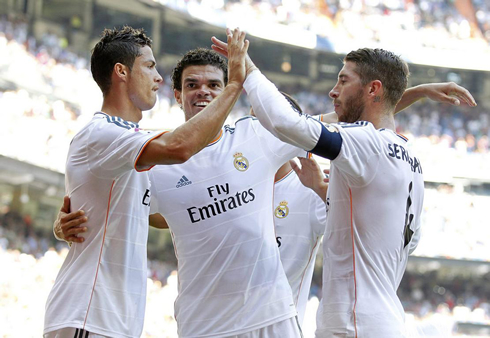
{"x":201,"y":104}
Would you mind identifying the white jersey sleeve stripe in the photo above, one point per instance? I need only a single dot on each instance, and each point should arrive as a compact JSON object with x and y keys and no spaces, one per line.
{"x":141,"y":152}
{"x":353,"y":260}
{"x":100,"y":255}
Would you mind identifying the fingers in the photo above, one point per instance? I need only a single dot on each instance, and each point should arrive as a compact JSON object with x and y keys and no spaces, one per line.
{"x":464,"y":96}
{"x":309,"y":162}
{"x":71,"y":226}
{"x":73,"y":215}
{"x":65,"y":223}
{"x":218,"y":43}
{"x":458,"y":94}
{"x":75,"y":239}
{"x":295,"y":166}
{"x":219,"y":50}
{"x":66,"y":205}
{"x":71,"y":234}
{"x":74,"y":231}
{"x":303,"y":160}
{"x":326,"y":172}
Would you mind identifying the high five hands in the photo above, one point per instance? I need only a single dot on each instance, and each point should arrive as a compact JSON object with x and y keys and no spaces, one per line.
{"x":222,"y":48}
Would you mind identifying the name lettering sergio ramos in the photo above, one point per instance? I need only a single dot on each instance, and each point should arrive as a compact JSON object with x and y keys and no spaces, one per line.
{"x":219,"y":206}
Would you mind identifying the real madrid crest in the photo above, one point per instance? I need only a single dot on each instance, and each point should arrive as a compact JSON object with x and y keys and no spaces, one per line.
{"x":282,"y":210}
{"x":240,"y":162}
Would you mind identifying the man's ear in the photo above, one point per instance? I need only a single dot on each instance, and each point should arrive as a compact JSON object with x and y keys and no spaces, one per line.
{"x":178,"y":96}
{"x":375,"y":88}
{"x":121,"y":71}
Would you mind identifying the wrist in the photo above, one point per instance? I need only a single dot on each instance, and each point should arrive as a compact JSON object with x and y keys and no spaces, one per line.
{"x":420,"y":91}
{"x":251,"y":69}
{"x":234,"y":86}
{"x":56,"y":234}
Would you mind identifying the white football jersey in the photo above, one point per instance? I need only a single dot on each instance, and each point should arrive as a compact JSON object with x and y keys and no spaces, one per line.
{"x":374,"y":204}
{"x":300,"y":218}
{"x":219,"y":208}
{"x":101,"y":286}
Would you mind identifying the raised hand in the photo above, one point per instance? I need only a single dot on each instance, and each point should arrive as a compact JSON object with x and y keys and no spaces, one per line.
{"x":224,"y":49}
{"x":449,"y":92}
{"x":311,"y":176}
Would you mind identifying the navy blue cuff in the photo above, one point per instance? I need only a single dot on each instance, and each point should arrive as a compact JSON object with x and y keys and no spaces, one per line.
{"x":328,"y":144}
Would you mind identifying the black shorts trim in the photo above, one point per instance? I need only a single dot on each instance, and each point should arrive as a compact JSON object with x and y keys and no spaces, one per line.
{"x":81,"y":333}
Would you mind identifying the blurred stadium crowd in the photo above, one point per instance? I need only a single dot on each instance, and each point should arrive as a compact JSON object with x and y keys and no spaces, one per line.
{"x":50,"y":93}
{"x":341,"y":25}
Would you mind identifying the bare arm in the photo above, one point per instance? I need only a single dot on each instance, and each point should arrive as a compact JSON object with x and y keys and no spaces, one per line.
{"x":448,"y":92}
{"x":68,"y":226}
{"x":188,"y":139}
{"x":277,"y":116}
{"x":158,"y":221}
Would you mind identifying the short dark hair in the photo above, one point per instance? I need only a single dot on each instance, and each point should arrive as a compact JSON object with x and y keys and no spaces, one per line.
{"x":116,"y":46}
{"x":382,"y":65}
{"x":292,"y":101}
{"x":198,"y":57}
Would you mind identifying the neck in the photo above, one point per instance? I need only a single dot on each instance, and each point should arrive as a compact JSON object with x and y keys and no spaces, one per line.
{"x":121,"y":106}
{"x":380,"y":118}
{"x":283,"y":171}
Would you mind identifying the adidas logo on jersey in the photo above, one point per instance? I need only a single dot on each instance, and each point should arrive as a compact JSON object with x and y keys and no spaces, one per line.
{"x":183,"y":182}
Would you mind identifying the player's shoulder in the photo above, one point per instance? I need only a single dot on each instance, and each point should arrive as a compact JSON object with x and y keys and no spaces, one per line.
{"x":104,"y":129}
{"x":359,"y":125}
{"x":393,"y":135}
{"x":241,"y":124}
{"x":108,"y":121}
{"x":358,"y":129}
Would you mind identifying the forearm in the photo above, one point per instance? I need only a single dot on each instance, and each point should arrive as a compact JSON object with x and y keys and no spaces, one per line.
{"x":191,"y":137}
{"x":321,"y":191}
{"x":201,"y":130}
{"x":277,"y":115}
{"x":410,"y":96}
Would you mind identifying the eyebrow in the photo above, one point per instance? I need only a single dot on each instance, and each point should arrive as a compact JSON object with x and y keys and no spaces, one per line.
{"x":190,"y":79}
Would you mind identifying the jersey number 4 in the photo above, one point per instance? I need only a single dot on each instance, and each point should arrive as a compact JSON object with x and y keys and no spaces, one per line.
{"x":408,"y":233}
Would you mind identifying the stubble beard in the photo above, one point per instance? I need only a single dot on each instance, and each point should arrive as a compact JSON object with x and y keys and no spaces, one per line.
{"x":354,"y":106}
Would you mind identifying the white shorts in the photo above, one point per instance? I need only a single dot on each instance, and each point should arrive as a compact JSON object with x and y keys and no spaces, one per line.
{"x":71,"y":332}
{"x":288,"y":328}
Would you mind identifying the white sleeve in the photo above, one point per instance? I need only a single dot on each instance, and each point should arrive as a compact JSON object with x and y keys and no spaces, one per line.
{"x":278,"y":117}
{"x":278,"y":152}
{"x":114,"y":150}
{"x":276,"y":114}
